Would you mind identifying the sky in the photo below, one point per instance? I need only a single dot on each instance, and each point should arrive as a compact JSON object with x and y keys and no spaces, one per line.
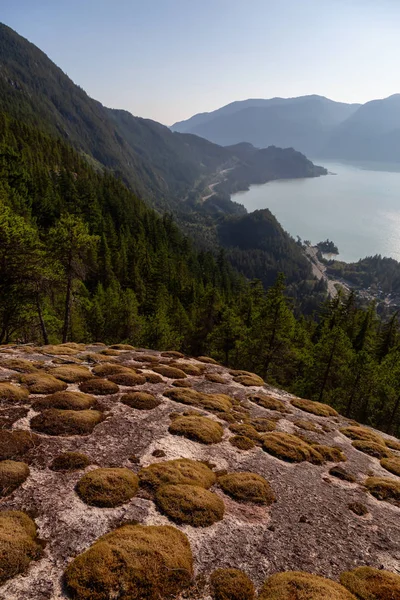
{"x":169,"y":59}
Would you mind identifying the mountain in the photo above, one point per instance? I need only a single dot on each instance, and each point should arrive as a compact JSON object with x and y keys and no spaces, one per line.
{"x":372,"y":133}
{"x":303,"y":123}
{"x":211,"y":490}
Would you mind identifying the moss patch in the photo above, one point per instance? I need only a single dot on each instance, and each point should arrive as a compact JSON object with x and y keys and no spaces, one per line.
{"x":65,"y":401}
{"x":122,"y":347}
{"x":330,"y":453}
{"x":241,"y":442}
{"x":66,"y":422}
{"x":140,"y":400}
{"x":18,"y":543}
{"x":70,"y":461}
{"x":358,"y":509}
{"x":154,"y":378}
{"x":61,"y":349}
{"x":106,"y":369}
{"x":249,"y":380}
{"x":20,"y":364}
{"x":107,"y":487}
{"x":340,"y":473}
{"x":170,"y":372}
{"x":247,"y":487}
{"x":172,"y":354}
{"x":133,"y":561}
{"x":42,"y":383}
{"x":189,"y":369}
{"x":367,"y":583}
{"x":315,"y":408}
{"x":16,"y":443}
{"x":359,"y":433}
{"x":179,"y":471}
{"x":190,"y":504}
{"x":12,"y":393}
{"x":71,"y":373}
{"x":128,"y":379}
{"x":290,"y":448}
{"x":215,"y":378}
{"x":182,"y":383}
{"x":198,"y":429}
{"x":384,"y":489}
{"x":296,"y":585}
{"x":268,"y":402}
{"x":247,"y":430}
{"x":393,"y":444}
{"x":392,"y":465}
{"x":307,"y":426}
{"x":206,"y":359}
{"x":231,"y":584}
{"x":99,"y":387}
{"x":372,"y":449}
{"x":12,"y":475}
{"x":212,"y":402}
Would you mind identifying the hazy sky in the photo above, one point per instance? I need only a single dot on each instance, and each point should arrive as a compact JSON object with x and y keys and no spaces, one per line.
{"x":169,"y":59}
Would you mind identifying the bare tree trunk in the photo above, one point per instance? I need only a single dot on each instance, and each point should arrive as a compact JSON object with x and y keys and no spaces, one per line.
{"x":41,"y":321}
{"x":67,"y":309}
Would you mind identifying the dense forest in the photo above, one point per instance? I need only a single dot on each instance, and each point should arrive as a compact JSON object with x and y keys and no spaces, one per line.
{"x":378,"y":272}
{"x":83,"y":259}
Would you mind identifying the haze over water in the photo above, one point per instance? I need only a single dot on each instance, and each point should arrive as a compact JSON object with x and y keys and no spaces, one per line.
{"x":357,"y":208}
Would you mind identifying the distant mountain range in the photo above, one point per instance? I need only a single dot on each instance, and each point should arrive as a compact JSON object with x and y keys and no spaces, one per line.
{"x":314,"y":125}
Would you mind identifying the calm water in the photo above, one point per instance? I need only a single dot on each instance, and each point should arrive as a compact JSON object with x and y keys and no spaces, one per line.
{"x":357,"y":208}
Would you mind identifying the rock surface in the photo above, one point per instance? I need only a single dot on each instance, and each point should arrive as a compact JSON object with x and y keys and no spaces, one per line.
{"x":310,"y":527}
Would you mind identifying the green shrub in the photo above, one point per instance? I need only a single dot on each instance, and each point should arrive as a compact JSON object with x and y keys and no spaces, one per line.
{"x":16,"y":443}
{"x":315,"y":408}
{"x":107,"y":487}
{"x":384,"y":489}
{"x":71,"y":373}
{"x":372,"y":449}
{"x":367,"y":583}
{"x":66,"y":422}
{"x":247,"y":487}
{"x":65,"y":401}
{"x":290,"y":448}
{"x":12,"y":475}
{"x":296,"y":585}
{"x":190,"y":504}
{"x":241,"y":442}
{"x":18,"y":543}
{"x":231,"y":584}
{"x":198,"y":429}
{"x":43,"y":383}
{"x":99,"y":387}
{"x":268,"y":402}
{"x":70,"y":461}
{"x":134,"y":561}
{"x":179,"y":471}
{"x":140,"y":400}
{"x":392,"y":465}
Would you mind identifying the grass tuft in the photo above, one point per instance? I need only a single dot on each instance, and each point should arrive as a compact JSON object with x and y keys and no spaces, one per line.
{"x":99,"y":387}
{"x":66,"y":422}
{"x":180,"y":471}
{"x":297,"y":585}
{"x":263,"y":425}
{"x":140,"y":400}
{"x":43,"y":383}
{"x":211,"y":402}
{"x":231,"y":584}
{"x":12,"y":393}
{"x":241,"y":442}
{"x":246,"y":430}
{"x":190,"y":504}
{"x":384,"y":489}
{"x":362,"y":434}
{"x":107,"y":488}
{"x":21,"y":365}
{"x":372,"y":449}
{"x":392,"y":465}
{"x":198,"y":429}
{"x":65,"y":401}
{"x":215,"y":378}
{"x":330,"y":453}
{"x":12,"y":475}
{"x":71,"y":373}
{"x":315,"y":408}
{"x":18,"y":543}
{"x":367,"y":583}
{"x":290,"y":448}
{"x":70,"y":461}
{"x":247,"y":487}
{"x":249,"y":380}
{"x":268,"y":402}
{"x":135,"y":562}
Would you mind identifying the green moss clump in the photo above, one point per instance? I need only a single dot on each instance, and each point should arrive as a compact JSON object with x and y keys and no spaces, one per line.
{"x":128,"y":379}
{"x":393,"y":444}
{"x":215,"y":378}
{"x":170,"y":372}
{"x":106,"y":369}
{"x":384,"y":488}
{"x":16,"y":443}
{"x":133,"y":561}
{"x":365,"y":435}
{"x":307,"y":426}
{"x":154,"y":378}
{"x":179,"y":471}
{"x":211,"y":402}
{"x":340,"y":473}
{"x":172,"y":354}
{"x":66,"y":422}
{"x":198,"y":429}
{"x":65,"y":401}
{"x":315,"y":408}
{"x":12,"y":393}
{"x":372,"y":449}
{"x":245,"y":429}
{"x":107,"y":487}
{"x":206,"y":359}
{"x":296,"y":585}
{"x":71,"y":373}
{"x":12,"y":475}
{"x":263,"y":425}
{"x":330,"y":453}
{"x":190,"y":504}
{"x":122,"y":347}
{"x":241,"y":442}
{"x":290,"y":448}
{"x":231,"y":584}
{"x":70,"y":461}
{"x":268,"y":402}
{"x":249,"y":380}
{"x":43,"y":383}
{"x":367,"y":583}
{"x":392,"y":465}
{"x":21,"y":365}
{"x":140,"y":400}
{"x":99,"y":387}
{"x":61,"y":349}
{"x":18,"y":543}
{"x":247,"y":487}
{"x":189,"y":369}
